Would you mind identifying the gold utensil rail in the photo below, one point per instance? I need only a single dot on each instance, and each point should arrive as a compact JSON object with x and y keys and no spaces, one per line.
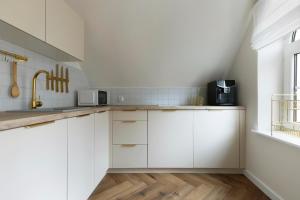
{"x":13,"y":55}
{"x":60,"y":78}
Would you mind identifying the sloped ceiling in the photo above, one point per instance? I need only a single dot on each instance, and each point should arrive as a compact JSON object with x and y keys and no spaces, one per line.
{"x":161,"y":43}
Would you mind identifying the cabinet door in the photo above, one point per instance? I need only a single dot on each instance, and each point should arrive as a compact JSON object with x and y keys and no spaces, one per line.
{"x":101,"y":146}
{"x":80,"y":157}
{"x":130,"y":132}
{"x":34,"y":162}
{"x":28,"y":16}
{"x":64,"y":28}
{"x":216,"y":143}
{"x":129,"y":156}
{"x":170,"y":139}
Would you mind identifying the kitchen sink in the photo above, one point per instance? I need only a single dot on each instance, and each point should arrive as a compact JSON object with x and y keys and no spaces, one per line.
{"x":63,"y":109}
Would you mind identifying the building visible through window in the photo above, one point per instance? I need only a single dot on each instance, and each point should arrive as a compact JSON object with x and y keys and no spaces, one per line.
{"x":296,"y":35}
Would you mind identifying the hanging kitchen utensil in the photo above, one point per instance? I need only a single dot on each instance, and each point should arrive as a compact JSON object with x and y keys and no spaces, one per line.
{"x":15,"y":91}
{"x":67,"y":80}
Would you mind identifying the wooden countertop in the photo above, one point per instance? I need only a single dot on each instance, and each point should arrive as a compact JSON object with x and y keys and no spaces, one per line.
{"x":16,"y":119}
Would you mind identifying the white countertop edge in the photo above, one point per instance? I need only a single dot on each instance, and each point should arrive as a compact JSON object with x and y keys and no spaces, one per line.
{"x":286,"y":141}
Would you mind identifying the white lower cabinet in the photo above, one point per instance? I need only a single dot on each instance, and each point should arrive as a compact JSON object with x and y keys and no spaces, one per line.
{"x":216,"y":141}
{"x":102,"y":122}
{"x":139,"y":115}
{"x":80,"y":157}
{"x":67,"y":159}
{"x":129,"y":139}
{"x":170,"y":139}
{"x":129,"y":156}
{"x":130,"y":132}
{"x":34,"y":162}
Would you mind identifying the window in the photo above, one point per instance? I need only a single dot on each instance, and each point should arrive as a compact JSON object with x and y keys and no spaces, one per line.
{"x":296,"y":63}
{"x":297,"y":72}
{"x":296,"y":60}
{"x":286,"y":107}
{"x":296,"y":66}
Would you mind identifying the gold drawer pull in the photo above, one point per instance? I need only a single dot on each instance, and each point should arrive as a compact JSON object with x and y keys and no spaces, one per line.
{"x":129,"y":121}
{"x":39,"y":124}
{"x":85,"y":115}
{"x":128,"y":145}
{"x":169,"y":110}
{"x":101,"y":111}
{"x":129,"y":110}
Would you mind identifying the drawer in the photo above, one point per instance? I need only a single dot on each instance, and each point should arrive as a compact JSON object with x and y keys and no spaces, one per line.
{"x":130,"y":115}
{"x":131,"y":156}
{"x":130,"y":132}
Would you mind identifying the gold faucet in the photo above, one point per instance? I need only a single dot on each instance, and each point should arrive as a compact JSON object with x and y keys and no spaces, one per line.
{"x":38,"y":103}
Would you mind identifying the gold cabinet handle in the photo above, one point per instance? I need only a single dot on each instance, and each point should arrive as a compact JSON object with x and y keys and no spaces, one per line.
{"x":134,"y":110}
{"x":85,"y":115}
{"x":128,"y":145}
{"x":39,"y":124}
{"x":169,"y":110}
{"x":132,"y":121}
{"x":101,"y":111}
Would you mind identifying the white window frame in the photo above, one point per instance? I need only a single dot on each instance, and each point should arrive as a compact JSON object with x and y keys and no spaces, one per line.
{"x":291,"y":48}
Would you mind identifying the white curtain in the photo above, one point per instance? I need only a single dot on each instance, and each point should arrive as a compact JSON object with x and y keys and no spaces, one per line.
{"x":274,"y":19}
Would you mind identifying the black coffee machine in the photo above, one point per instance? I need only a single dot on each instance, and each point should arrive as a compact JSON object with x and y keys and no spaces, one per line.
{"x":222,"y":93}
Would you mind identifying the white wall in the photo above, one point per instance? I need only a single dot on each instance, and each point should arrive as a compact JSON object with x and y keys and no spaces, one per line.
{"x":274,"y":163}
{"x":154,"y":43}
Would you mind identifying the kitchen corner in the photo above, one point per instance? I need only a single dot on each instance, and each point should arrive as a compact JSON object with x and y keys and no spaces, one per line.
{"x":111,"y":100}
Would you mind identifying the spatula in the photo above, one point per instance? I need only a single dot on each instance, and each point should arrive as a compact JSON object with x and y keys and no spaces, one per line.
{"x":15,"y":91}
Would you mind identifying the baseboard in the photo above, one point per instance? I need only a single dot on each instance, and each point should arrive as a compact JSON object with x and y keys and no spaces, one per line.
{"x":261,"y":185}
{"x":196,"y":171}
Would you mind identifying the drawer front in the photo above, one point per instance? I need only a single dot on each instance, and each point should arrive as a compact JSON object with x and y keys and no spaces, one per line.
{"x":130,"y":132}
{"x":134,"y":156}
{"x":130,"y":115}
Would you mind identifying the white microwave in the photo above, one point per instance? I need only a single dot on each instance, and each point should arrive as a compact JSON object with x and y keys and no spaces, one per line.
{"x":93,"y":98}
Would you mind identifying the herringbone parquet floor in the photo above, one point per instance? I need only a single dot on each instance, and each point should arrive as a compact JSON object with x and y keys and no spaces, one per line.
{"x":176,"y":187}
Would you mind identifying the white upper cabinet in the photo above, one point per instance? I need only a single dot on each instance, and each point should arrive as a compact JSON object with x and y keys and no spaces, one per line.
{"x":48,"y":27}
{"x":216,"y":141}
{"x":102,"y":122}
{"x":64,"y":28}
{"x":80,"y":157}
{"x":170,"y":139}
{"x":28,"y":16}
{"x":34,"y":162}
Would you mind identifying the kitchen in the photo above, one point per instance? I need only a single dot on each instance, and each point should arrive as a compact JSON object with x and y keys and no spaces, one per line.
{"x":148,"y":99}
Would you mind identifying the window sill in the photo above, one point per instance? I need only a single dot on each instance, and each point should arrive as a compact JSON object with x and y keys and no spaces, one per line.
{"x":281,"y":138}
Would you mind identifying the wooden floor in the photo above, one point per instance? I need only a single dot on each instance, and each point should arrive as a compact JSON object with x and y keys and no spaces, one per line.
{"x":176,"y":186}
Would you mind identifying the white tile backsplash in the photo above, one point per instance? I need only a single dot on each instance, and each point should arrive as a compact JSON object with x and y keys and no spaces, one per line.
{"x":26,"y":71}
{"x":155,"y":96}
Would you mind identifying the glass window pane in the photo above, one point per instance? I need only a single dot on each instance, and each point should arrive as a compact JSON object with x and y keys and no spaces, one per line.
{"x":297,"y":35}
{"x":297,"y":63}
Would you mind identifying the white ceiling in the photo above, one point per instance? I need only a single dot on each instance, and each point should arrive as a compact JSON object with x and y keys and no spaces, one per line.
{"x":161,"y":43}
